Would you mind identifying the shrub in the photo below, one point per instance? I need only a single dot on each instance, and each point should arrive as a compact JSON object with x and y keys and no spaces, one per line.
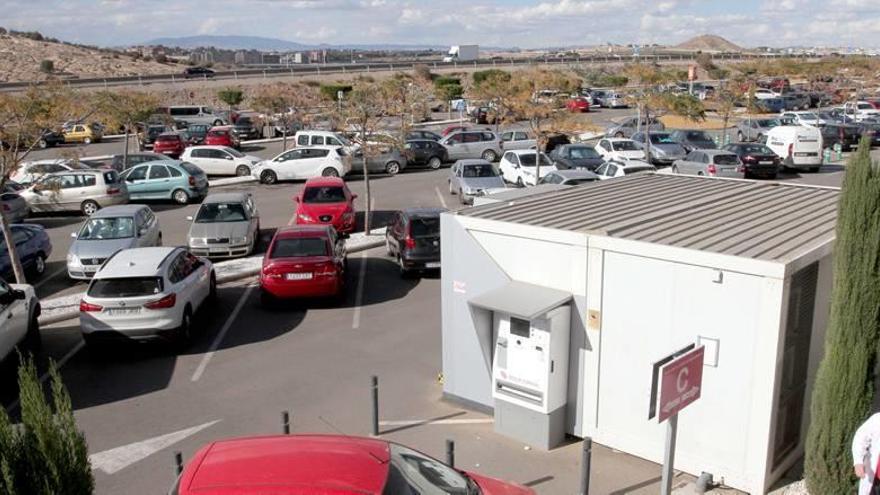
{"x":231,"y":96}
{"x":47,"y":66}
{"x":448,"y":88}
{"x":162,"y":58}
{"x":481,"y":75}
{"x":331,"y":91}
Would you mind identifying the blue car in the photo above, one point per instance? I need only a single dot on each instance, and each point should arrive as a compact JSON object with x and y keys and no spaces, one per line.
{"x":33,"y":247}
{"x":178,"y":181}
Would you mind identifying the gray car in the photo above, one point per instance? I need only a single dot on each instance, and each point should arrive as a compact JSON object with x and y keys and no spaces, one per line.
{"x":469,"y":144}
{"x":227,"y":225}
{"x":388,"y":162}
{"x":571,"y":177}
{"x":754,"y":129}
{"x":517,"y":140}
{"x":628,"y":126}
{"x":15,"y":207}
{"x":471,"y":178}
{"x":662,"y":149}
{"x":108,"y":231}
{"x":711,"y":163}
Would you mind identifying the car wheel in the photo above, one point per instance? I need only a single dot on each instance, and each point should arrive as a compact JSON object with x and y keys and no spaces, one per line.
{"x":674,"y":169}
{"x":330,"y":172}
{"x":40,"y":264}
{"x":519,"y":182}
{"x":218,"y":122}
{"x":180,"y":197}
{"x":404,"y":273}
{"x":451,"y":189}
{"x":489,"y":156}
{"x":42,"y":144}
{"x":242,"y":171}
{"x":618,"y":134}
{"x":268,"y":177}
{"x":739,"y":136}
{"x":212,"y":290}
{"x":159,"y":240}
{"x":184,"y":332}
{"x":89,"y":207}
{"x":388,"y":247}
{"x":392,"y":168}
{"x":434,"y":163}
{"x":87,"y":141}
{"x":814,"y":169}
{"x":32,"y":340}
{"x":759,"y":137}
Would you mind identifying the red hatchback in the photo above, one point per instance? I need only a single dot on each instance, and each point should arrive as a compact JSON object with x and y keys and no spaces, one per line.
{"x":326,"y":201}
{"x":329,"y":465}
{"x":307,"y":261}
{"x":578,"y":104}
{"x":171,"y":144}
{"x":222,"y":136}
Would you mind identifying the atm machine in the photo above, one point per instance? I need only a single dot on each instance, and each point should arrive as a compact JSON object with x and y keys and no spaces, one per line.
{"x":530,"y":376}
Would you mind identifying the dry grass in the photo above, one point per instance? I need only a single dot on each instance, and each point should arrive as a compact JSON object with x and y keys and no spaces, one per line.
{"x":678,"y":122}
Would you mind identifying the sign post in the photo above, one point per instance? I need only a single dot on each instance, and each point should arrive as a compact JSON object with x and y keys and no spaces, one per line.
{"x":680,"y":377}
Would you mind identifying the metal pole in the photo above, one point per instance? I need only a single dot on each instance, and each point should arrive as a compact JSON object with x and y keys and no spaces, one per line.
{"x":178,"y":463}
{"x":669,"y":456}
{"x":285,"y":422}
{"x":585,"y":466}
{"x":450,"y":453}
{"x":375,"y":393}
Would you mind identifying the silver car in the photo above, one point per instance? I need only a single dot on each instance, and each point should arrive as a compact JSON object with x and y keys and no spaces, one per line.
{"x":471,"y":178}
{"x":710,"y":163}
{"x":517,"y":140}
{"x":754,"y":129}
{"x":388,"y":161}
{"x":14,"y":206}
{"x":85,"y":191}
{"x":663,"y":150}
{"x":468,"y":144}
{"x":630,"y":125}
{"x":110,"y":230}
{"x":227,"y":225}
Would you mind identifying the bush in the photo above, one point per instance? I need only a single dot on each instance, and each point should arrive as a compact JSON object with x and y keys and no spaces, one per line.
{"x":46,"y":454}
{"x":231,"y":96}
{"x":162,"y":58}
{"x":481,"y":75}
{"x":47,"y":66}
{"x":331,"y":91}
{"x":422,"y":72}
{"x":448,"y":88}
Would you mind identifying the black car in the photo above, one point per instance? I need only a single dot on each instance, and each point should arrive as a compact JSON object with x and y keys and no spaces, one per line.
{"x":569,"y":156}
{"x":246,"y":129}
{"x":691,"y":139}
{"x":846,"y":135}
{"x":413,"y":238}
{"x":433,"y":136}
{"x":425,"y":152}
{"x":758,"y":159}
{"x":872,"y":130}
{"x":198,"y":132}
{"x":193,"y":72}
{"x":50,"y":139}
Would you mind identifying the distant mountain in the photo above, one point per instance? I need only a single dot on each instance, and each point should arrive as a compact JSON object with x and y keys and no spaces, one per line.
{"x":709,"y":43}
{"x":273,"y":44}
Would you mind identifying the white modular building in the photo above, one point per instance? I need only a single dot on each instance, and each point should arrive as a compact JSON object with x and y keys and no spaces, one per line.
{"x":556,"y":306}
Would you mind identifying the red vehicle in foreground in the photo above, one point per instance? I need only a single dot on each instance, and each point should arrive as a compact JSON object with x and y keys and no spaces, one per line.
{"x":170,"y":144}
{"x":578,"y":104}
{"x":303,"y":261}
{"x":222,"y":136}
{"x":326,"y":201}
{"x":327,"y":464}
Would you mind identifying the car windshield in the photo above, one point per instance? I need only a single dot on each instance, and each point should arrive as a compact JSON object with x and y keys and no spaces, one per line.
{"x":411,"y":473}
{"x":583,"y":152}
{"x":299,"y":247}
{"x":756,"y":149}
{"x":808,"y":116}
{"x":424,"y":226}
{"x":478,"y":171}
{"x":221,"y":212}
{"x":324,"y":194}
{"x":768,"y":123}
{"x":574,"y":182}
{"x":624,"y":146}
{"x":125,"y":287}
{"x":726,"y":159}
{"x":99,"y":229}
{"x":698,"y":136}
{"x":528,"y":160}
{"x":234,"y":152}
{"x":661,"y":139}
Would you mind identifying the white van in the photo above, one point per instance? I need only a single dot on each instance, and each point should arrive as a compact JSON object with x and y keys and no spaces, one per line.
{"x":194,"y":114}
{"x":324,"y":138}
{"x":799,"y":146}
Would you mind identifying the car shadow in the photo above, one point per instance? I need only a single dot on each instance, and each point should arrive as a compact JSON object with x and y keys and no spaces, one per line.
{"x":55,"y":219}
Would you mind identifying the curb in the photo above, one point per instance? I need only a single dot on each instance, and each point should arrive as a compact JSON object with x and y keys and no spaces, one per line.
{"x":231,"y":181}
{"x":73,"y":314}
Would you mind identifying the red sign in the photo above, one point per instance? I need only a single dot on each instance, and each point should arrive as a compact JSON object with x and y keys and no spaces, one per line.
{"x":680,"y":383}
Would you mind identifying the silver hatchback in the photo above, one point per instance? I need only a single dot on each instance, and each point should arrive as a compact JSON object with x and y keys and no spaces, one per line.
{"x":711,"y":163}
{"x":473,"y":144}
{"x":227,"y":225}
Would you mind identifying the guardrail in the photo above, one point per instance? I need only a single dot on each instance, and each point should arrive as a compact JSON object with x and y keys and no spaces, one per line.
{"x":316,"y":70}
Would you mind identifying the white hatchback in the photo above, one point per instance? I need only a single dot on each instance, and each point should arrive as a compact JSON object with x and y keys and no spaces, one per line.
{"x":146,"y":294}
{"x":619,"y":149}
{"x":220,"y":160}
{"x":304,"y":163}
{"x":519,"y":167}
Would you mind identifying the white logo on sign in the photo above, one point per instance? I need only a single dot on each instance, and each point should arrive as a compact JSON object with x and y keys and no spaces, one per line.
{"x":681,"y":383}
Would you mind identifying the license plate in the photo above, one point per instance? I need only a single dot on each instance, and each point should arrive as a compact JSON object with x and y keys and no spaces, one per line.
{"x":765,"y":163}
{"x":90,"y":269}
{"x":123,"y":311}
{"x":298,"y":276}
{"x":433,"y":264}
{"x":218,"y":250}
{"x":805,"y":154}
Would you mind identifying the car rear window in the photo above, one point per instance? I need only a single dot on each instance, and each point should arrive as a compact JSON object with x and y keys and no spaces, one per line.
{"x":726,"y":160}
{"x":125,"y":287}
{"x":323,"y":194}
{"x":191,"y":169}
{"x":424,"y":226}
{"x":111,"y":177}
{"x":624,"y":146}
{"x":299,"y":247}
{"x":168,"y":138}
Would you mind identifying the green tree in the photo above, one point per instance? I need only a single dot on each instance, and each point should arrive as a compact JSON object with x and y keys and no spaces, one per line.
{"x":124,"y":109}
{"x":448,"y":88}
{"x":47,"y":66}
{"x":46,"y":454}
{"x":846,"y":382}
{"x":231,"y":96}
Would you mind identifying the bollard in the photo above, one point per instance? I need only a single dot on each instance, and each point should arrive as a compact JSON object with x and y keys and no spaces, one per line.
{"x":375,"y":393}
{"x":178,"y":463}
{"x":585,"y":466}
{"x":450,"y":453}
{"x":285,"y":422}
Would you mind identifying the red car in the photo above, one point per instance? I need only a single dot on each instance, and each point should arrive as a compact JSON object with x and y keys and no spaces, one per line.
{"x":171,"y":144}
{"x":453,"y":128}
{"x":222,"y":136}
{"x":303,"y":261}
{"x":326,"y":464}
{"x":326,"y":201}
{"x":578,"y":104}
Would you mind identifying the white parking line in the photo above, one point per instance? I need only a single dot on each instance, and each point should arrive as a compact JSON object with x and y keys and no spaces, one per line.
{"x":219,"y":338}
{"x":412,"y":422}
{"x":359,"y":293}
{"x":441,"y":198}
{"x":50,"y":277}
{"x":60,"y":364}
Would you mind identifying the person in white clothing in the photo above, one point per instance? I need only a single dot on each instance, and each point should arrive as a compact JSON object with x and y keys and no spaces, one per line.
{"x":866,"y":454}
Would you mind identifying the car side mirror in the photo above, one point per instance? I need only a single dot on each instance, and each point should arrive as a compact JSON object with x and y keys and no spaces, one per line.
{"x":354,"y":196}
{"x":142,"y":232}
{"x":189,"y":218}
{"x":296,"y":198}
{"x":229,"y":157}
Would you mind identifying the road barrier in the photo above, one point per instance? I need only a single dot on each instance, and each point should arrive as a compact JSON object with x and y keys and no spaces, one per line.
{"x":374,"y":394}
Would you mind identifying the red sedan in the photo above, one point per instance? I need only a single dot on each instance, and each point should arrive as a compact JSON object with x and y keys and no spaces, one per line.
{"x":578,"y":104}
{"x":222,"y":136}
{"x":326,"y":464}
{"x":307,"y":261}
{"x":326,"y":201}
{"x":170,"y":144}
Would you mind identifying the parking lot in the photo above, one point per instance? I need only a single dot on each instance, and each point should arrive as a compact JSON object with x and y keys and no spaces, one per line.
{"x":315,"y":359}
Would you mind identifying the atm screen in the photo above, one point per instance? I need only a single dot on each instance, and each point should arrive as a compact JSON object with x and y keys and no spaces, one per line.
{"x":520,"y":327}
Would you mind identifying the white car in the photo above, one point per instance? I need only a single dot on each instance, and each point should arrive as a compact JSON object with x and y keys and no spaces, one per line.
{"x":619,"y":149}
{"x":765,"y":94}
{"x":859,"y":111}
{"x":312,"y":138}
{"x":803,"y":118}
{"x":19,"y":311}
{"x":612,"y":169}
{"x":30,"y":172}
{"x":146,"y":294}
{"x":518,"y":167}
{"x":304,"y":163}
{"x":220,"y":160}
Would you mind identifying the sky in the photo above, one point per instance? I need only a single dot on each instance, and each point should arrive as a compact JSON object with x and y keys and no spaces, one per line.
{"x":507,"y":23}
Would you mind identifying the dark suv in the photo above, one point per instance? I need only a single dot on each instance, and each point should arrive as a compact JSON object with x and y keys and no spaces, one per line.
{"x":846,"y":135}
{"x":425,"y":152}
{"x":413,"y":238}
{"x":246,"y":129}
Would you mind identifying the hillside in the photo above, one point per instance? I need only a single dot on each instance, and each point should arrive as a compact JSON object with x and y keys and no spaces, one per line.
{"x":20,"y":59}
{"x":228,"y":42}
{"x":709,"y":43}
